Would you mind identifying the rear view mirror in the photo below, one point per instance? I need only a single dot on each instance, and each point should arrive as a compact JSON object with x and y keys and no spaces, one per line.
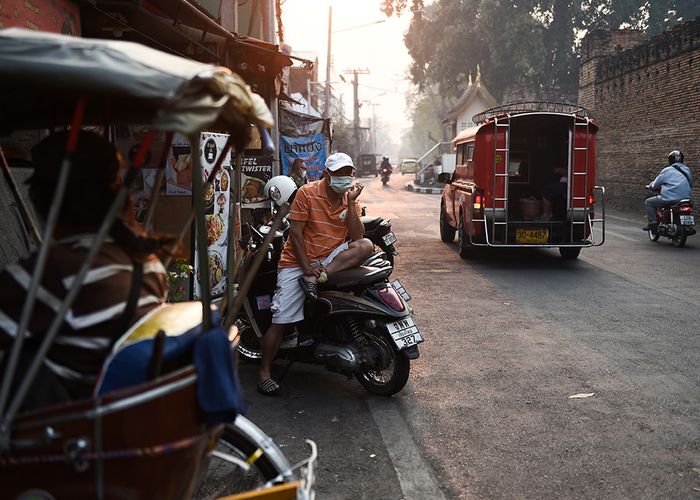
{"x":445,"y":178}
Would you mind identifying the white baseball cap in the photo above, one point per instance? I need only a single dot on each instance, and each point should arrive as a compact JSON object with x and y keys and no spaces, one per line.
{"x":336,"y":161}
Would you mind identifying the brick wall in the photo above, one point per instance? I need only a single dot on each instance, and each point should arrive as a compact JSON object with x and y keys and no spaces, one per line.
{"x":646,"y":99}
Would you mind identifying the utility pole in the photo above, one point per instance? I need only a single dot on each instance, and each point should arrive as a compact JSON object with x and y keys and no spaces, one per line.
{"x":327,"y":107}
{"x":356,"y":108}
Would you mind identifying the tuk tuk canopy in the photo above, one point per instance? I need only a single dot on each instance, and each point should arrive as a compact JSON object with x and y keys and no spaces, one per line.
{"x":43,"y":74}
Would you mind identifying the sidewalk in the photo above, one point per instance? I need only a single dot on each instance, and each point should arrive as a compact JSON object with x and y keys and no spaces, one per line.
{"x":435,"y":189}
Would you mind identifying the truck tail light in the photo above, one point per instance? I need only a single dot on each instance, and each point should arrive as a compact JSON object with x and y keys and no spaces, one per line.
{"x":478,"y":202}
{"x":591,"y":199}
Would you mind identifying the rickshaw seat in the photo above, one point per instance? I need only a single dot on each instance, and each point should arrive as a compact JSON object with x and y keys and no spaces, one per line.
{"x":218,"y":390}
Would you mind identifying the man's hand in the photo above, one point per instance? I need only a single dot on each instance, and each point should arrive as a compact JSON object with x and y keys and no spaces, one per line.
{"x":355,"y":191}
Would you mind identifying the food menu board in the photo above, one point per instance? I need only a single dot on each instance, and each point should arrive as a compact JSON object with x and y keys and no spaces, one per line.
{"x":217,"y":208}
{"x":178,"y":168}
{"x":128,"y":142}
{"x":255,"y":172}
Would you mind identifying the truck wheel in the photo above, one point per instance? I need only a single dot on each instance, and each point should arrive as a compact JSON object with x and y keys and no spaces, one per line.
{"x":569,"y":252}
{"x":447,"y":232}
{"x":466,"y":250}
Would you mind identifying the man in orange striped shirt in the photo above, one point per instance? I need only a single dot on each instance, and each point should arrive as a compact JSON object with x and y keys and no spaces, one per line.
{"x":326,"y":235}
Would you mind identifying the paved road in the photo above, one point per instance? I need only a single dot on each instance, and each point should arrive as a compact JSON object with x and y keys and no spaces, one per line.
{"x":511,"y":335}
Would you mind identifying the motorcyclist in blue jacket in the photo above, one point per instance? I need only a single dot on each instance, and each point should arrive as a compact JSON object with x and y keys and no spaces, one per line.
{"x":674,"y":183}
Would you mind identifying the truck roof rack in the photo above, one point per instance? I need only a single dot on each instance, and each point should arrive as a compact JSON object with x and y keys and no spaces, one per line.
{"x":518,"y":108}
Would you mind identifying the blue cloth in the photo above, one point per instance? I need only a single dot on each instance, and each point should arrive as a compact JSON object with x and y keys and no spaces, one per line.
{"x":218,"y":389}
{"x":219,"y":394}
{"x":674,"y":186}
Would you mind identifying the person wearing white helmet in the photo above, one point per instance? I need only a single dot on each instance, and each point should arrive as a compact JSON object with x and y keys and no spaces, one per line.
{"x":674,"y":184}
{"x":326,"y":236}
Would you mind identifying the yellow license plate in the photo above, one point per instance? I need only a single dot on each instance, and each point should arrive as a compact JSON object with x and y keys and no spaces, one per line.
{"x":531,"y":235}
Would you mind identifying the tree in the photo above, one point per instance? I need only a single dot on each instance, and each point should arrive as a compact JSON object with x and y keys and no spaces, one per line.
{"x":529,"y":43}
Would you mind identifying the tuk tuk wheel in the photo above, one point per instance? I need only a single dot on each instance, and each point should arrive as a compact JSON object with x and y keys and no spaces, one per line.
{"x":447,"y":232}
{"x":569,"y":252}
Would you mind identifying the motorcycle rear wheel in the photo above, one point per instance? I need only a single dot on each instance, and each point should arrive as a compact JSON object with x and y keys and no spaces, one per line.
{"x":393,"y":375}
{"x":679,"y":239}
{"x":653,"y":236}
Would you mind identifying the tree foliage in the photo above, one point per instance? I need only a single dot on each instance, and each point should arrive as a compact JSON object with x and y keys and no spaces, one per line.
{"x":528,"y":43}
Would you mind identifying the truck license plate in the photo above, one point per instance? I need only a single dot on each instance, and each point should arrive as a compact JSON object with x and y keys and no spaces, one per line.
{"x":404,"y":332}
{"x":538,"y":235}
{"x":688,"y":220}
{"x":389,"y":238}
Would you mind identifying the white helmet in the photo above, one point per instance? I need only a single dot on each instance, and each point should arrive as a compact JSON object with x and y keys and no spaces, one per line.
{"x":280,"y":189}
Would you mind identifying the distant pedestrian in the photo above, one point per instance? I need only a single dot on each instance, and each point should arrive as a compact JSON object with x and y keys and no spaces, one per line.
{"x":298,"y":172}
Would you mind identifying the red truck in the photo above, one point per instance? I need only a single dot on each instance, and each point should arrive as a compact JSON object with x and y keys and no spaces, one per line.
{"x":525,"y":177}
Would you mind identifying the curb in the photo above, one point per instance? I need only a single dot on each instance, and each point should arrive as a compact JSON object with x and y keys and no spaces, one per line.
{"x":424,"y":190}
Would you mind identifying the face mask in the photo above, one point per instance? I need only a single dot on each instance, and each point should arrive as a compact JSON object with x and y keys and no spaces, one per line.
{"x":302,"y":173}
{"x":342,"y":183}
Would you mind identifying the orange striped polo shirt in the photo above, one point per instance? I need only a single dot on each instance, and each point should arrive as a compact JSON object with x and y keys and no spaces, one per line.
{"x":326,"y":227}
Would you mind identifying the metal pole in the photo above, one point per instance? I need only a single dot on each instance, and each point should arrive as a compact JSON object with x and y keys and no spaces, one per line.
{"x":201,"y":232}
{"x":355,"y":117}
{"x":327,"y":108}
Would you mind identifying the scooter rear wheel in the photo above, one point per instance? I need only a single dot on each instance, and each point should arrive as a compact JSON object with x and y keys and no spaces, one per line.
{"x":392,"y":376}
{"x":653,"y":236}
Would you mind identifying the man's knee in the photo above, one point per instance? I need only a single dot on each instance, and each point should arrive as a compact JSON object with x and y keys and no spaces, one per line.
{"x":364,"y":247}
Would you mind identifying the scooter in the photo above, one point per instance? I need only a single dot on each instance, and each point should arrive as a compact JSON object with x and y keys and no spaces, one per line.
{"x":360,"y":325}
{"x":676,"y":222}
{"x":378,"y":231}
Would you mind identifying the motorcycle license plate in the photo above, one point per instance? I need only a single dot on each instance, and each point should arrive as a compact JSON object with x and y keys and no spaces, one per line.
{"x":688,"y":220}
{"x":389,"y":238}
{"x":405,"y":333}
{"x":531,"y":235}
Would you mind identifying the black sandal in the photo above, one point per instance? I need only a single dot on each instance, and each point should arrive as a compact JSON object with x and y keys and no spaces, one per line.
{"x":310,"y":288}
{"x":269,"y":387}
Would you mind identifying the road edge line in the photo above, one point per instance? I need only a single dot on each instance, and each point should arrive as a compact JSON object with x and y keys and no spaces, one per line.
{"x":415,"y":476}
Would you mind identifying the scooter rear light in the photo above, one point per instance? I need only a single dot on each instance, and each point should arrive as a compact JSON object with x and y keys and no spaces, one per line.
{"x":685,"y":209}
{"x":391,"y":298}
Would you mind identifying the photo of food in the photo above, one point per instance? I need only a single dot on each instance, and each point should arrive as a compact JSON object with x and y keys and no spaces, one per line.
{"x":181,"y":163}
{"x":221,"y":202}
{"x":216,"y":269}
{"x":215,"y":228}
{"x":209,"y":196}
{"x":253,"y":190}
{"x":224,"y":182}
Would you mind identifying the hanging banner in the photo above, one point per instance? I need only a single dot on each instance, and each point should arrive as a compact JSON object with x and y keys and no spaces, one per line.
{"x":311,"y":149}
{"x":216,"y":201}
{"x":255,"y":172}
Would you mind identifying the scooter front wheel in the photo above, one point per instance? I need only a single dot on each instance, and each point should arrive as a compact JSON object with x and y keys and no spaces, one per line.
{"x":653,"y":236}
{"x":390,"y":374}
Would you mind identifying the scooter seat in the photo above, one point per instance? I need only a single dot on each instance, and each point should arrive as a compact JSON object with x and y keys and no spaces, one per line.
{"x":356,"y":276}
{"x":371,"y":223}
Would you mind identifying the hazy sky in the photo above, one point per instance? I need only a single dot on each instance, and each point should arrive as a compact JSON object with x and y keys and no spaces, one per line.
{"x":379,"y":48}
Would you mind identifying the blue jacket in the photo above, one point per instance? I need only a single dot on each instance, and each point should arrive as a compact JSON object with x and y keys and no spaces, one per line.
{"x":673,"y":184}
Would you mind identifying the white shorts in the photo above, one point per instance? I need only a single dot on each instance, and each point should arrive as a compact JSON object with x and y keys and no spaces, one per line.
{"x":288,"y":301}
